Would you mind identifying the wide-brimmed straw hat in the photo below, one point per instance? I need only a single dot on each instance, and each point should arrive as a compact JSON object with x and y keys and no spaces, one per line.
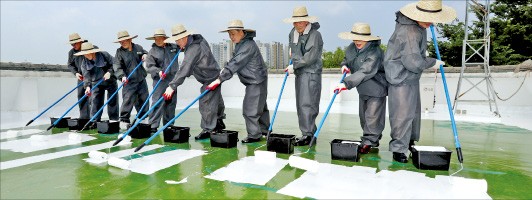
{"x":74,"y":38}
{"x":158,"y":33}
{"x":360,"y":31}
{"x":236,"y":25}
{"x":178,"y":31}
{"x":300,"y":14}
{"x":429,"y":11}
{"x":87,"y":48}
{"x":124,"y":35}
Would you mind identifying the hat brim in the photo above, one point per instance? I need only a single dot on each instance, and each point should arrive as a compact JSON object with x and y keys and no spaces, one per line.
{"x":126,"y":38}
{"x":87,"y":52}
{"x":301,"y":19}
{"x":446,"y":15}
{"x":153,"y":37}
{"x":351,"y":36}
{"x":76,"y":41}
{"x":244,"y":29}
{"x":177,"y":37}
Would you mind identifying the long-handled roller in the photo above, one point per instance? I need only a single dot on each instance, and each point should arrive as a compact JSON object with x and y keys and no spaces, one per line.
{"x":307,"y":164}
{"x":111,"y":97}
{"x":31,"y":121}
{"x":82,"y":98}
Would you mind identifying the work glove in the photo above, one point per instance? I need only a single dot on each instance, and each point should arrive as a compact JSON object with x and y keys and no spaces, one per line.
{"x":345,"y":70}
{"x":180,"y":58}
{"x":289,"y":69}
{"x":143,"y":57}
{"x":437,"y":65}
{"x":88,"y":91}
{"x":162,"y":75}
{"x":339,"y":88}
{"x":124,"y":80}
{"x":214,"y":84}
{"x":168,"y":93}
{"x":79,"y":76}
{"x":106,"y":76}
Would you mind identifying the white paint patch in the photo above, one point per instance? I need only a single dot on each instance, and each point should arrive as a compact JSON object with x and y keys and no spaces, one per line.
{"x":177,"y":182}
{"x":51,"y":156}
{"x":430,"y":148}
{"x":16,"y":133}
{"x":341,"y":182}
{"x":152,"y":163}
{"x":246,"y":170}
{"x":122,"y":153}
{"x":41,"y":142}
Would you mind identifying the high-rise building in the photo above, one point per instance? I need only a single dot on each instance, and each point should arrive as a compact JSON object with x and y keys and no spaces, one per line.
{"x":222,"y":52}
{"x":277,"y":56}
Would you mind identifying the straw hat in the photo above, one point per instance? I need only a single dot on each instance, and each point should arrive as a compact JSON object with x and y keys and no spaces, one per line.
{"x":124,"y":35}
{"x":178,"y":31}
{"x":360,"y":31}
{"x":429,"y":11}
{"x":74,"y":38}
{"x":87,"y":48}
{"x":300,"y":14}
{"x":236,"y":25}
{"x":158,"y":33}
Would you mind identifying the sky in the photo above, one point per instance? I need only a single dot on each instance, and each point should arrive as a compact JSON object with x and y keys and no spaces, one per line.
{"x":37,"y":31}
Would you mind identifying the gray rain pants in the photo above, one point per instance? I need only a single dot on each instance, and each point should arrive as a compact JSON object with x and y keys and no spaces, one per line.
{"x":255,"y":110}
{"x":405,"y":116}
{"x":133,"y":95}
{"x":211,"y":107}
{"x":308,"y":93}
{"x":372,"y":112}
{"x":166,"y":109}
{"x":84,"y":106}
{"x":98,"y":97}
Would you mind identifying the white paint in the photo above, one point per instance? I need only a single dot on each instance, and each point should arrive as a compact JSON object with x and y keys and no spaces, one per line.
{"x":303,"y":163}
{"x":122,"y":153}
{"x":119,"y":163}
{"x":430,"y":148}
{"x":16,"y":133}
{"x":98,"y":155}
{"x":41,"y":142}
{"x":265,"y":156}
{"x":152,"y":163}
{"x":246,"y":170}
{"x":51,"y":156}
{"x":125,"y":140}
{"x":341,"y":182}
{"x":177,"y":182}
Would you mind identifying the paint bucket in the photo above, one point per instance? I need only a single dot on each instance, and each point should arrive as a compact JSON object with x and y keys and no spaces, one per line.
{"x":176,"y":134}
{"x":142,"y":130}
{"x":281,"y":143}
{"x":224,"y":139}
{"x":431,"y":157}
{"x":345,"y":150}
{"x":77,"y":123}
{"x":63,"y":123}
{"x":108,"y":126}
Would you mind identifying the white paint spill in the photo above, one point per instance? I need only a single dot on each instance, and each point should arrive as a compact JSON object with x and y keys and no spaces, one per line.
{"x":51,"y":156}
{"x":303,"y":163}
{"x":41,"y":142}
{"x":246,"y":170}
{"x":341,"y":182}
{"x":98,"y":155}
{"x":122,"y":153}
{"x":265,"y":157}
{"x":177,"y":182}
{"x":16,"y":133}
{"x":152,"y":163}
{"x":119,"y":163}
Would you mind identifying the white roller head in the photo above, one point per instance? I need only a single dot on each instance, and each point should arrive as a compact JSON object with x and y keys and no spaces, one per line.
{"x":266,"y":157}
{"x":303,"y":163}
{"x":98,"y":155}
{"x":38,"y":138}
{"x":11,"y":133}
{"x":118,"y":162}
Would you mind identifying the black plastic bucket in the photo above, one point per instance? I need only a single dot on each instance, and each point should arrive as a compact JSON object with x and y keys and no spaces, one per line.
{"x":224,"y":139}
{"x":108,"y":127}
{"x":140,"y":131}
{"x":176,"y":134}
{"x":431,"y":160}
{"x":63,"y":123}
{"x":77,"y":124}
{"x":281,"y":143}
{"x":345,"y":150}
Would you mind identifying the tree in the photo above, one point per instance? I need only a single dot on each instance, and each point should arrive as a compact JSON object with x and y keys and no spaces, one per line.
{"x":333,"y":59}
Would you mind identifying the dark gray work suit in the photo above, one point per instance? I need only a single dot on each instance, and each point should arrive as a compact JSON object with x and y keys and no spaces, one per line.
{"x":74,"y":65}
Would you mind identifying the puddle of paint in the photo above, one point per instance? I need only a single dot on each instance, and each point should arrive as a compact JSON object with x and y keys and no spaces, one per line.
{"x":155,"y":162}
{"x":41,"y":142}
{"x":17,"y":133}
{"x":248,"y":170}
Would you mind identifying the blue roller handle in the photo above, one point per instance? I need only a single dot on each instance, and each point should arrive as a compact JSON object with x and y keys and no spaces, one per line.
{"x":451,"y":115}
{"x":156,"y":85}
{"x":171,"y":121}
{"x":325,"y":115}
{"x":31,"y":121}
{"x":112,"y":96}
{"x":84,"y":96}
{"x":138,"y":121}
{"x":277,"y":105}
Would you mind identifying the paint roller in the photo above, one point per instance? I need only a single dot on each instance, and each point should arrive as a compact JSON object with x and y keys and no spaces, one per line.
{"x":119,"y":163}
{"x":98,"y":155}
{"x":38,"y":138}
{"x":125,"y":139}
{"x":11,"y":133}
{"x":307,"y":164}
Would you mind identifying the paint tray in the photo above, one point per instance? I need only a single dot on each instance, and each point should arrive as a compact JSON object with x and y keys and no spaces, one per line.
{"x":108,"y":126}
{"x":281,"y":143}
{"x":345,"y":150}
{"x":176,"y":134}
{"x":431,"y":157}
{"x":140,"y":131}
{"x":63,"y":123}
{"x":77,"y":123}
{"x":224,"y":139}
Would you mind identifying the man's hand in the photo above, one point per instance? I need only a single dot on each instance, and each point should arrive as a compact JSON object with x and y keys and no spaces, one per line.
{"x":144,"y":57}
{"x":79,"y":76}
{"x":437,"y":65}
{"x":88,"y":91}
{"x":345,"y":70}
{"x":289,"y":69}
{"x":106,"y":76}
{"x":124,"y":80}
{"x":162,"y":75}
{"x":339,"y":88}
{"x":168,"y":93}
{"x":213,"y":85}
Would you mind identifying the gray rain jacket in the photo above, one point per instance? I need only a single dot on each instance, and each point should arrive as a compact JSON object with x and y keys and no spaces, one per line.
{"x":74,"y":62}
{"x":198,"y":61}
{"x":247,"y":62}
{"x":306,"y":53}
{"x":159,"y":58}
{"x":405,"y":58}
{"x":93,"y":71}
{"x":125,"y":61}
{"x":367,"y":71}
